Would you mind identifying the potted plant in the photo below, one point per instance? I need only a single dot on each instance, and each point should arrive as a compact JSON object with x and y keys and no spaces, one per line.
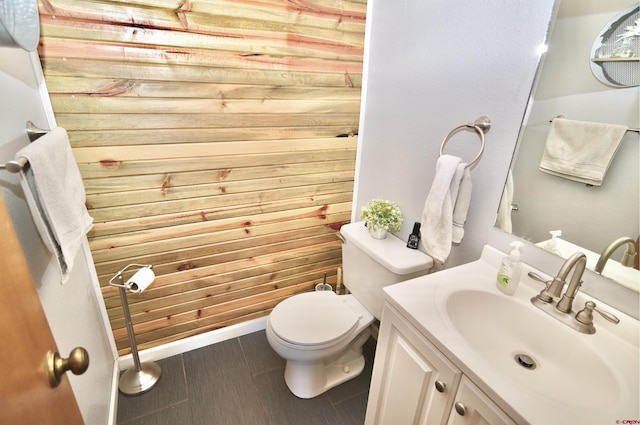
{"x":381,"y":216}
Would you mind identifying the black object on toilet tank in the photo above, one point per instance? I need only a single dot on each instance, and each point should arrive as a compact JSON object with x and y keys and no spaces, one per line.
{"x":414,"y":237}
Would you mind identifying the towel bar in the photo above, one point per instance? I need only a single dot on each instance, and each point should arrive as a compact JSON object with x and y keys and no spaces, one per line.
{"x":481,"y":125}
{"x":14,"y":166}
{"x":33,"y":132}
{"x":637,"y":130}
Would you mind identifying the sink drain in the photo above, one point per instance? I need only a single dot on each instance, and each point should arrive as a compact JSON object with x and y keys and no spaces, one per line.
{"x":525,"y":361}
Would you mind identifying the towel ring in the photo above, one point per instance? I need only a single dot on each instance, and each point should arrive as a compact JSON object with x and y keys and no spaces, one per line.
{"x":481,"y":125}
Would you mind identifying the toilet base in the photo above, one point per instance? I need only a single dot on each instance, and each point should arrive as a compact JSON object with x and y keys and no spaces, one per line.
{"x":310,"y":379}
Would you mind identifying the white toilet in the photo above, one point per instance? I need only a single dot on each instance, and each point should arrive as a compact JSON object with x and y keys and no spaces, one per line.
{"x":321,"y":334}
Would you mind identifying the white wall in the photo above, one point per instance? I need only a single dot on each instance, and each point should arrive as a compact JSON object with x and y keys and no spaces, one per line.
{"x":431,"y":66}
{"x":75,"y":311}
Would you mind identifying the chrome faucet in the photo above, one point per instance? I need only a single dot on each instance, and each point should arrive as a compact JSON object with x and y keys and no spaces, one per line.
{"x":554,"y":289}
{"x":563,"y":310}
{"x":579,"y":261}
{"x":628,"y":258}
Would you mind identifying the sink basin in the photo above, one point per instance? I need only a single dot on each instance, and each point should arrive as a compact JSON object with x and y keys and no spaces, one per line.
{"x":539,"y":353}
{"x":538,"y":369}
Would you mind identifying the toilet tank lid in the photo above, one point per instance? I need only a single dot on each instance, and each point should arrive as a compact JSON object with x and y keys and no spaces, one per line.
{"x":392,"y":252}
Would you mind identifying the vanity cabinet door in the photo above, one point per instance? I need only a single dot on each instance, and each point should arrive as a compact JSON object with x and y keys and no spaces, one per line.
{"x":412,"y":382}
{"x":473,"y":407}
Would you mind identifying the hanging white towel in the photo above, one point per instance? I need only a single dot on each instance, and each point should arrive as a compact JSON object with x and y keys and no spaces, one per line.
{"x":437,"y":226}
{"x":580,"y":151}
{"x":461,"y":205}
{"x":503,"y":221}
{"x":55,"y":194}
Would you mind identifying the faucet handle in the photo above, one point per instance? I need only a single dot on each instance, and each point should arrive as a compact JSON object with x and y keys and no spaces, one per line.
{"x":585,"y":316}
{"x":552,"y":287}
{"x":536,"y":276}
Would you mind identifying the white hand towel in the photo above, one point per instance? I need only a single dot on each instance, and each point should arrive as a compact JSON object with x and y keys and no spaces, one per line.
{"x":55,"y":194}
{"x":462,"y":202}
{"x":580,"y":151}
{"x":436,"y":230}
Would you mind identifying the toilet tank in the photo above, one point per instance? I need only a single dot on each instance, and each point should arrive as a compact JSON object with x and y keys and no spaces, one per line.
{"x":370,"y":264}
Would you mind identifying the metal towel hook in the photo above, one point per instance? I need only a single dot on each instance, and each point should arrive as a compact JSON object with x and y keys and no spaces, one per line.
{"x":481,"y":125}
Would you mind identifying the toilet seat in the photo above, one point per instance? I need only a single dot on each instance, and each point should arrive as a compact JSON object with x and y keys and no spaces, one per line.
{"x":313,"y":319}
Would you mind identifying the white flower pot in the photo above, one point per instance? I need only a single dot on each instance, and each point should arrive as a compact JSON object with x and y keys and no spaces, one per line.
{"x":377,"y":233}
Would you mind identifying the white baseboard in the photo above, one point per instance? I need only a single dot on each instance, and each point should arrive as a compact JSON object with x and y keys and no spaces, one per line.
{"x":113,"y":403}
{"x":194,"y":342}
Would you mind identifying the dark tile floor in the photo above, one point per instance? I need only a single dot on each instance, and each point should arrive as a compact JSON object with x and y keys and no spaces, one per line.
{"x":240,"y":382}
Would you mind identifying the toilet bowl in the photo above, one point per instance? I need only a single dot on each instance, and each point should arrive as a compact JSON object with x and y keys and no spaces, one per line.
{"x":321,"y":334}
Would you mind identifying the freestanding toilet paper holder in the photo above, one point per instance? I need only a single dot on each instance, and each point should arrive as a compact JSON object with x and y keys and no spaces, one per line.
{"x":144,"y":376}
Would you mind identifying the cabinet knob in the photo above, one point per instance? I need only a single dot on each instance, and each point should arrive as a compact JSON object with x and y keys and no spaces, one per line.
{"x":460,"y":409}
{"x":440,"y":386}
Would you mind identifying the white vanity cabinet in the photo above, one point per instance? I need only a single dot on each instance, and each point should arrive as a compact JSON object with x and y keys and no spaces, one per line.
{"x":414,"y":383}
{"x":473,"y":407}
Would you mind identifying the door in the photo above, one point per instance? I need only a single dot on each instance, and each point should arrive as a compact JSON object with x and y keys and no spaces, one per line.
{"x":25,"y":338}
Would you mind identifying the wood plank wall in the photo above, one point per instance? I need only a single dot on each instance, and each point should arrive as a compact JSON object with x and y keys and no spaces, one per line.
{"x":216,"y":140}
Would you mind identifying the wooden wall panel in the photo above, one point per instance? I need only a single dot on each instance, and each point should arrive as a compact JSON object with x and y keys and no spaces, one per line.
{"x":216,"y":140}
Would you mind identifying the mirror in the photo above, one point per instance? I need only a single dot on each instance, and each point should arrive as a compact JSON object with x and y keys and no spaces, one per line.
{"x":590,"y":217}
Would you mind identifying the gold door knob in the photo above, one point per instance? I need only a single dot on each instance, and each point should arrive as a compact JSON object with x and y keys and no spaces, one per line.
{"x":77,"y":363}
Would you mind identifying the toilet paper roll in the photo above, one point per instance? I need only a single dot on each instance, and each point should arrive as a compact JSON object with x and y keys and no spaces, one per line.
{"x":141,"y":280}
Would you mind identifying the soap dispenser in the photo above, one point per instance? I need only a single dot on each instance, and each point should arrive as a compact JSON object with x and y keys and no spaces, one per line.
{"x":510,"y":270}
{"x":552,"y":244}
